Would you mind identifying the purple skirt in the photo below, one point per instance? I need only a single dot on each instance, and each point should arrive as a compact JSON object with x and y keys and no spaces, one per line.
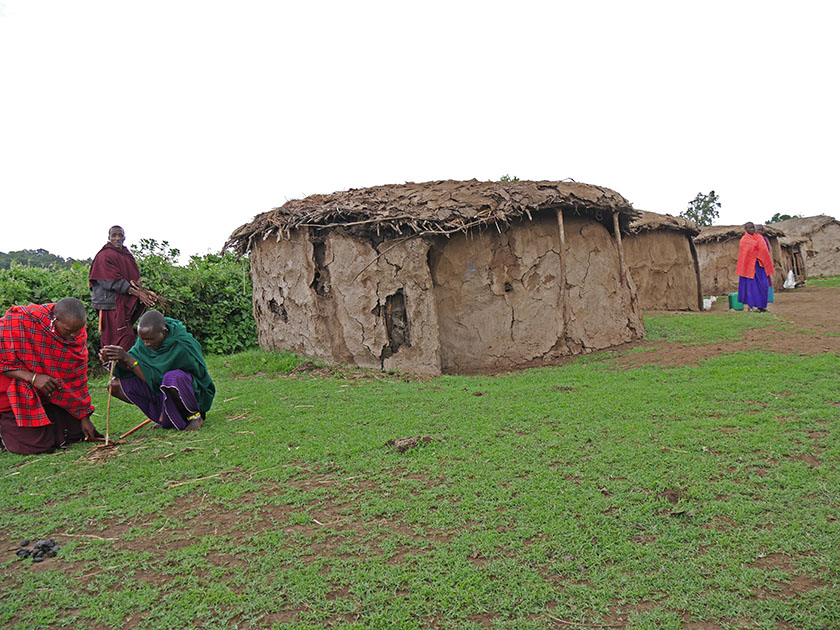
{"x":163,"y":406}
{"x":753,"y":291}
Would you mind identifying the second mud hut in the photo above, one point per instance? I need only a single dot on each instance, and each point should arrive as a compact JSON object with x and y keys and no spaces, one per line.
{"x":445,"y":276}
{"x":663,"y":262}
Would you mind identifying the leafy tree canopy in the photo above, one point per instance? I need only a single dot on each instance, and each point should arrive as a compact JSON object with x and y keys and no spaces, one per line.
{"x":703,"y":209}
{"x":33,"y":258}
{"x":782,"y":217}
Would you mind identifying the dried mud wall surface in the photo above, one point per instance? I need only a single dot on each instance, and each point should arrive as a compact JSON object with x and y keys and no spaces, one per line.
{"x":823,"y":251}
{"x":662,"y":267}
{"x":341,"y":301}
{"x":718,"y":260}
{"x":499,"y":301}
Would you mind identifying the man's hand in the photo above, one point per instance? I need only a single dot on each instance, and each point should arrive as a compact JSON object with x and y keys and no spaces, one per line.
{"x":114,"y":353}
{"x":46,"y":384}
{"x":143,"y":294}
{"x":88,"y":429}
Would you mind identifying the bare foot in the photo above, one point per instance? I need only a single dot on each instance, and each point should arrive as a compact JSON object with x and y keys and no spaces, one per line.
{"x":194,"y":424}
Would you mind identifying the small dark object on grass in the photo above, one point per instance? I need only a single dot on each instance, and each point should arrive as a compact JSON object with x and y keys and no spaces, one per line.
{"x":44,"y":548}
{"x":24,"y":543}
{"x":401,"y":445}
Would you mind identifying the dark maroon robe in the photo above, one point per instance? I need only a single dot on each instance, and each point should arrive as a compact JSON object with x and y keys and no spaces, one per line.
{"x":117,"y":325}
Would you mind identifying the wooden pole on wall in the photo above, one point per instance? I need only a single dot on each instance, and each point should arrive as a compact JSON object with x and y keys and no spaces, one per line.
{"x":621,"y":268}
{"x":696,"y":260}
{"x":563,"y":283}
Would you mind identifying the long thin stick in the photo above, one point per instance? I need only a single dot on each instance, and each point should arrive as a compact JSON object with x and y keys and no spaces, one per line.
{"x":142,"y":424}
{"x":108,"y":410}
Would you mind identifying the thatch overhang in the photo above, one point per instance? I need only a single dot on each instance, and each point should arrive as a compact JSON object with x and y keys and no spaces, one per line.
{"x":647,"y":221}
{"x":792,"y":240}
{"x":726,"y":232}
{"x":806,"y":225}
{"x":433,"y":208}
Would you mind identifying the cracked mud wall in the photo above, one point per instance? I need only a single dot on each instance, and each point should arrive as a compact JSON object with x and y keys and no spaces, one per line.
{"x":822,"y":255}
{"x":662,"y":267}
{"x":499,"y":302}
{"x":717,"y":265}
{"x":340,"y":301}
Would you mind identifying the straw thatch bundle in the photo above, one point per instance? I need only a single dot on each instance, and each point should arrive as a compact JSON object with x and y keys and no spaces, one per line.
{"x":431,"y":208}
{"x":648,"y":221}
{"x":725,"y":232}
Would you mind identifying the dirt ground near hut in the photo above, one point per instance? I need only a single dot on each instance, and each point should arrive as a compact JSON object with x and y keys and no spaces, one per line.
{"x":813,"y":315}
{"x":809,"y":323}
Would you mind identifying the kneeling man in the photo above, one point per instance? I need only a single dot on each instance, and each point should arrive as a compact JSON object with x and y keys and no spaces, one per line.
{"x":44,"y":398}
{"x":164,"y":373}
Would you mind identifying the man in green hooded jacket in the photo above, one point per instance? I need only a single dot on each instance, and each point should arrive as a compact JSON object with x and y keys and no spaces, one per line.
{"x":164,"y":374}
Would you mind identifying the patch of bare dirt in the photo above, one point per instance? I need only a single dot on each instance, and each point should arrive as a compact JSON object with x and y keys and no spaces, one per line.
{"x":814,"y":329}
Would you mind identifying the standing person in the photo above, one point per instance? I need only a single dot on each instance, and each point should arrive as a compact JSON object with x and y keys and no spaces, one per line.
{"x":753,"y":267}
{"x":164,"y":374}
{"x":44,"y":398}
{"x":760,"y":229}
{"x":113,"y":276}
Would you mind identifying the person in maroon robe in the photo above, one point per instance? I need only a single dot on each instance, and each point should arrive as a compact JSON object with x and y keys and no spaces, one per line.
{"x":115,"y":291}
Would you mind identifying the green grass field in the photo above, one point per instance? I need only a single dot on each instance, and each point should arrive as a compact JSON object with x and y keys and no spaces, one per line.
{"x":579,"y":496}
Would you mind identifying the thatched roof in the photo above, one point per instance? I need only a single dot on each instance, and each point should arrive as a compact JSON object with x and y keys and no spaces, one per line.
{"x":430,"y":208}
{"x":654,"y":221}
{"x":792,"y":240}
{"x":806,"y":225}
{"x":726,"y":232}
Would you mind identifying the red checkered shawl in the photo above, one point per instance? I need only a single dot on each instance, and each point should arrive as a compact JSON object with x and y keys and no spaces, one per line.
{"x":28,"y":342}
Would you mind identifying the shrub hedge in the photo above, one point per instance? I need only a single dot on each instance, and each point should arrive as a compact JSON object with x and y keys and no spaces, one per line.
{"x":211,"y":294}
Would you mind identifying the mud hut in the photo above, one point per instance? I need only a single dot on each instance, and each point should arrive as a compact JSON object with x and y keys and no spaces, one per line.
{"x":663,"y":262}
{"x":822,"y":249}
{"x":717,"y":253}
{"x":445,"y":276}
{"x":794,"y":249}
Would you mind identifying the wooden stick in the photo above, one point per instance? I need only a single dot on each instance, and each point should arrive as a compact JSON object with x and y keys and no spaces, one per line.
{"x":622,"y":270}
{"x":108,"y":410}
{"x":563,"y":294}
{"x":142,"y":424}
{"x":584,"y":625}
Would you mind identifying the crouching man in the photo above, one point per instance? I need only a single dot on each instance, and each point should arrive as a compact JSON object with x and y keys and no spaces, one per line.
{"x":164,"y":374}
{"x":44,"y":398}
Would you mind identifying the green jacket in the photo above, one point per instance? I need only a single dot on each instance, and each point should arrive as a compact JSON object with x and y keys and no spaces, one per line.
{"x":179,"y":351}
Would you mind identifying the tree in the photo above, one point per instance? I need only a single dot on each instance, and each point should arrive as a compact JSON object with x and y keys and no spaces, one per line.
{"x":508,"y":178}
{"x":703,"y":209}
{"x":783,"y":217}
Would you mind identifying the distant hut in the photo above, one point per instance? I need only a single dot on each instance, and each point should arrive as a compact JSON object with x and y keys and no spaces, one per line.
{"x":717,"y":252}
{"x":446,"y":276}
{"x":823,"y":245}
{"x":794,"y":248}
{"x":663,"y":262}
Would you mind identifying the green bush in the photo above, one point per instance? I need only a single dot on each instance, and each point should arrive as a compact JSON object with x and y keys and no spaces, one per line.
{"x":211,"y":294}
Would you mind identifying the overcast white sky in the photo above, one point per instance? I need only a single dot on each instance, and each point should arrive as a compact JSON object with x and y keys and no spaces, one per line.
{"x":182,"y":119}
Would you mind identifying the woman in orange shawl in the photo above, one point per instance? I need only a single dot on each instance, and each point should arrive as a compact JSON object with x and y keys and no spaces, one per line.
{"x":754,"y":267}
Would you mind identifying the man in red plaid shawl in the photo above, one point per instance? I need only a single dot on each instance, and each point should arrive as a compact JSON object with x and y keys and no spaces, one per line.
{"x":44,"y":398}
